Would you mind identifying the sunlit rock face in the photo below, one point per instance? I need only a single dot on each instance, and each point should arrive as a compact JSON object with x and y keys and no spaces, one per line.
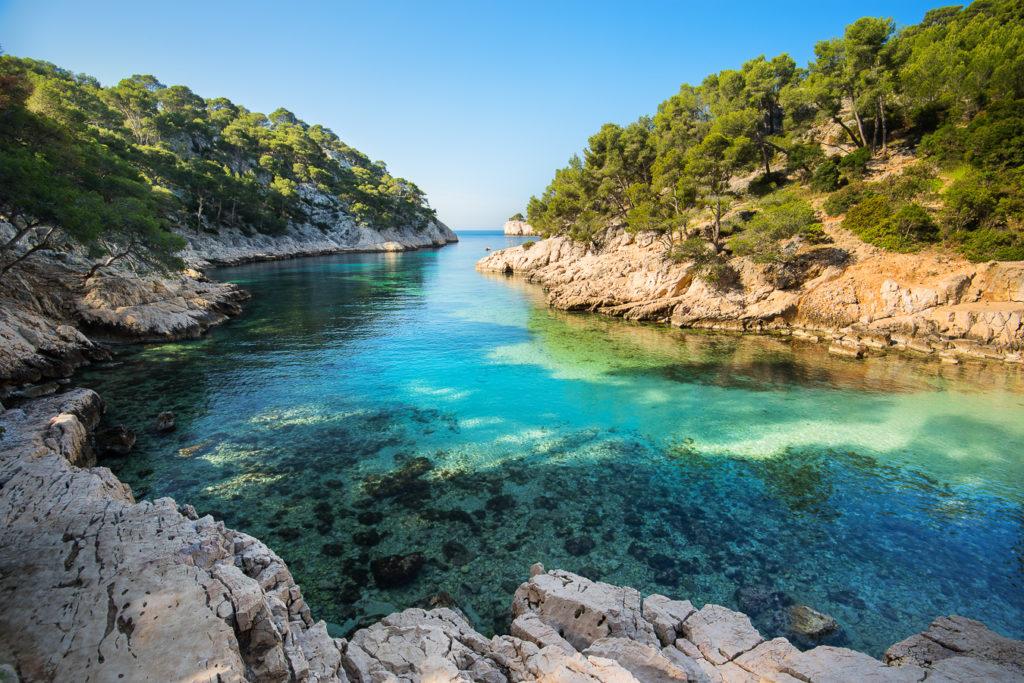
{"x":518,"y":228}
{"x":850,"y":294}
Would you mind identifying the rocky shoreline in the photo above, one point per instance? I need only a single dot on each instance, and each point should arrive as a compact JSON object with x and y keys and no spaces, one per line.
{"x":98,"y":587}
{"x":856,"y":298}
{"x":52,"y":321}
{"x":230,"y":246}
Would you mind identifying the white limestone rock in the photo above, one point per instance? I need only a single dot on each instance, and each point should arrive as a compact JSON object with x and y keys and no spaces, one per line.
{"x":955,"y":636}
{"x":666,"y":616}
{"x":581,"y":610}
{"x":645,"y":662}
{"x":721,"y":634}
{"x":826,"y":664}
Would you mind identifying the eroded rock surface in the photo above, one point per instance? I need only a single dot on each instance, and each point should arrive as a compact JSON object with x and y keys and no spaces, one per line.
{"x":229,"y":246}
{"x":847,"y":293}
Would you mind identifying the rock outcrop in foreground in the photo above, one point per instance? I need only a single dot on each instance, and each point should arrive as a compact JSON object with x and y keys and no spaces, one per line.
{"x":96,"y":587}
{"x":853,"y":295}
{"x":518,"y":228}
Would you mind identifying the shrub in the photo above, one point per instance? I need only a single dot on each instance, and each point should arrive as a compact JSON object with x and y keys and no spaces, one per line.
{"x":913,"y":224}
{"x":826,"y":177}
{"x":915,"y":181}
{"x":839,"y":202}
{"x":876,"y":220}
{"x":855,"y":164}
{"x":988,"y":243}
{"x":706,"y":263}
{"x":968,"y":203}
{"x":529,"y":243}
{"x":782,"y":217}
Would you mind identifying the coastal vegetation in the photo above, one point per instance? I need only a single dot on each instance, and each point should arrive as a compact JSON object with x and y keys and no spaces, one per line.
{"x":114,"y":169}
{"x":751,"y":161}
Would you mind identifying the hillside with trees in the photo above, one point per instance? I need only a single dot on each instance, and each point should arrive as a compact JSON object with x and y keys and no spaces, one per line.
{"x":118,"y":170}
{"x":752,"y":160}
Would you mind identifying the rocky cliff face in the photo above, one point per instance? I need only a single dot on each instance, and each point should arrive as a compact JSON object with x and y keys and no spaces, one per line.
{"x":51,"y":317}
{"x":97,"y":587}
{"x":518,"y":228}
{"x":852,"y":295}
{"x":231,"y":246}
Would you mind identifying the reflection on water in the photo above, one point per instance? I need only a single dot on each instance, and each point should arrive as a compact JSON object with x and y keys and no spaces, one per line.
{"x":369,"y":405}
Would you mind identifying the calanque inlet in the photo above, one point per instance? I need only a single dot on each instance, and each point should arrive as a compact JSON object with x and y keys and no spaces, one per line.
{"x":737,"y":398}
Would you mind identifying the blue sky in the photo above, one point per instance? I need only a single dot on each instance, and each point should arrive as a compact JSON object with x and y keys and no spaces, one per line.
{"x":476,"y":102}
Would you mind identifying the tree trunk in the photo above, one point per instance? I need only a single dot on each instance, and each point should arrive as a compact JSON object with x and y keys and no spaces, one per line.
{"x":885,"y":127}
{"x":199,"y":215}
{"x":20,"y":233}
{"x":41,"y":244}
{"x":860,"y":127}
{"x":849,"y":132}
{"x":717,"y":231}
{"x":110,"y":259}
{"x":764,"y":153}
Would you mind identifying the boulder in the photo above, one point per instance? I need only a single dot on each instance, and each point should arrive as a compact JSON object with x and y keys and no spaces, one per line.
{"x":645,"y":662}
{"x":825,"y":664}
{"x":116,"y":440}
{"x":721,"y":634}
{"x":165,"y":421}
{"x":666,"y":616}
{"x":397,"y":570}
{"x":955,"y":636}
{"x":810,"y":623}
{"x":583,"y":611}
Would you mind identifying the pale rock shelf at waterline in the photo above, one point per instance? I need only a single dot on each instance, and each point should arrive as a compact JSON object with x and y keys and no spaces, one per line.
{"x":518,"y":228}
{"x":854,"y":296}
{"x":96,"y":587}
{"x":231,"y":246}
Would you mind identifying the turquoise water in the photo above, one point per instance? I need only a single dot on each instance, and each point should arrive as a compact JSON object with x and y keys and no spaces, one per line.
{"x":376,"y":404}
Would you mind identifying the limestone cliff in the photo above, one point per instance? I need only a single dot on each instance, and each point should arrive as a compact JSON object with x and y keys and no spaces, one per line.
{"x":853,"y":295}
{"x":230,"y":246}
{"x":518,"y":228}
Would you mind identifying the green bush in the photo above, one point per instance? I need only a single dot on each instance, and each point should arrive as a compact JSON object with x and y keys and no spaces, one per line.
{"x":914,"y":224}
{"x":706,"y":263}
{"x":782,"y":217}
{"x":916,"y":180}
{"x":826,"y":177}
{"x":988,"y":243}
{"x":528,"y":244}
{"x":968,"y":203}
{"x":855,"y":164}
{"x":839,"y":202}
{"x":877,"y":220}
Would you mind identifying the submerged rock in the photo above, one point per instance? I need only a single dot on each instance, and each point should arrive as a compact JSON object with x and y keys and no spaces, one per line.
{"x":579,"y":545}
{"x":116,"y":440}
{"x":404,"y":482}
{"x":165,"y":421}
{"x":397,"y":570}
{"x":811,"y":623}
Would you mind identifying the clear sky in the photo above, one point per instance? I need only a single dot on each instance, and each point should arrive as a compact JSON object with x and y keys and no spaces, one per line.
{"x":476,"y":102}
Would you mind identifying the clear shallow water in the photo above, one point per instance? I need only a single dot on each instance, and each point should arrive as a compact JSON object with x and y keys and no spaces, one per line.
{"x":373,"y":404}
